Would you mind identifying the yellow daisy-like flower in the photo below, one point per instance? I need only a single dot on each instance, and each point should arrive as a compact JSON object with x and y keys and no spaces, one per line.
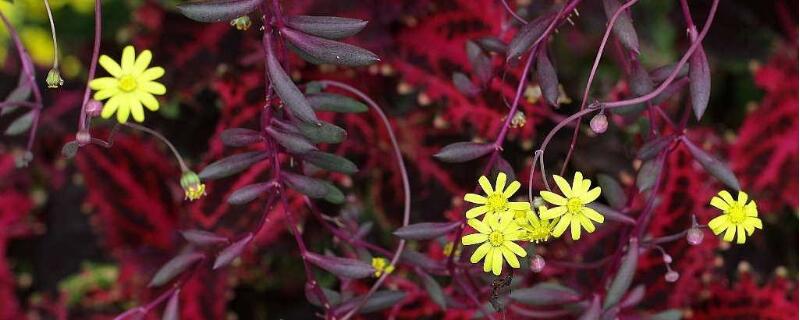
{"x":496,"y":199}
{"x":497,"y":234}
{"x":381,"y":266}
{"x":571,"y":209}
{"x":739,"y":218}
{"x":130,"y":86}
{"x":535,"y":229}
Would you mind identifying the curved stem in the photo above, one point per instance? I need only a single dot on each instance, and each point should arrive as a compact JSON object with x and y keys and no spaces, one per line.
{"x":154,"y":133}
{"x":53,"y":33}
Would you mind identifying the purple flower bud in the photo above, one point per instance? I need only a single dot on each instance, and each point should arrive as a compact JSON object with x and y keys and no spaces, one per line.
{"x":667,"y":258}
{"x":93,"y":108}
{"x":672,"y":276}
{"x":537,"y":264}
{"x":83,"y":138}
{"x":694,"y":236}
{"x":599,"y":123}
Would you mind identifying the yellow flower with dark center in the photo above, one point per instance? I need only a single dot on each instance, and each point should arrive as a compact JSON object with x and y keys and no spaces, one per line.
{"x":496,"y":199}
{"x":535,"y":229}
{"x":739,"y":217}
{"x":381,"y":266}
{"x":130,"y":86}
{"x":571,"y":209}
{"x":496,"y":234}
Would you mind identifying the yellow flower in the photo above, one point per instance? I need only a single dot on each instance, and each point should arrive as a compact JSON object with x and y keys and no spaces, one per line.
{"x":738,"y":216}
{"x":571,"y":208}
{"x":381,"y":266}
{"x":191,"y":185}
{"x":497,"y":234}
{"x":496,"y":200}
{"x":535,"y":229}
{"x":130,"y":86}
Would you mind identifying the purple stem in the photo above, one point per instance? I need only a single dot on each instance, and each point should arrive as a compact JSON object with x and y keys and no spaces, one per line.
{"x":98,"y":26}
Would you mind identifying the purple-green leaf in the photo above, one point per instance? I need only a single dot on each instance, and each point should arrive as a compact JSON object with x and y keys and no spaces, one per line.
{"x":311,"y":187}
{"x":492,"y":44}
{"x":229,"y":166}
{"x":378,"y":301}
{"x":249,"y":193}
{"x":545,"y":294}
{"x":648,"y":174}
{"x":329,"y":51}
{"x":226,"y":256}
{"x":240,"y":137}
{"x":465,"y":85}
{"x":326,"y":27}
{"x":624,"y":277}
{"x":291,"y":96}
{"x":217,"y":11}
{"x":662,"y":73}
{"x":172,"y":310}
{"x":326,"y":133}
{"x":651,"y":149}
{"x":713,"y":166}
{"x":420,"y":260}
{"x":594,"y":311}
{"x":699,"y":82}
{"x":203,"y":238}
{"x":20,"y":124}
{"x":335,"y":103}
{"x":342,"y":267}
{"x":623,"y":27}
{"x":425,"y":230}
{"x":640,"y":84}
{"x":463,"y":151}
{"x":481,"y":64}
{"x":611,"y":214}
{"x":548,"y":79}
{"x":527,"y":36}
{"x":330,"y":162}
{"x":434,"y":290}
{"x":69,"y":149}
{"x":294,"y":143}
{"x":612,"y":191}
{"x":174,"y":267}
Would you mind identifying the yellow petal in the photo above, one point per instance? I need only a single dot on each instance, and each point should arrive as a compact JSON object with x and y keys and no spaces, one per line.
{"x":124,"y":109}
{"x":553,"y":213}
{"x":717,"y":224}
{"x":742,"y":198}
{"x":575,"y":228}
{"x":479,"y":226}
{"x":553,"y":198}
{"x":577,"y":183}
{"x":111,"y":106}
{"x":590,"y":196}
{"x":718,"y":203}
{"x":128,"y":57}
{"x":500,"y":183}
{"x":751,"y":210}
{"x":740,"y":235}
{"x":519,"y":206}
{"x":586,"y":224}
{"x":593,"y":214}
{"x":512,"y":188}
{"x":474,"y":198}
{"x":153,"y":87}
{"x":148,"y":100}
{"x":474,"y":238}
{"x":756,"y":222}
{"x":515,"y":248}
{"x":136,"y":110}
{"x":497,"y":261}
{"x":105,"y":93}
{"x":562,"y":225}
{"x":110,"y":65}
{"x":725,"y":195}
{"x":563,"y":185}
{"x":510,"y":257}
{"x":142,"y":61}
{"x":485,"y":185}
{"x":152,"y":74}
{"x":729,"y":233}
{"x":103,"y":83}
{"x":506,"y":219}
{"x":487,"y":262}
{"x":480,"y":252}
{"x":477,"y":211}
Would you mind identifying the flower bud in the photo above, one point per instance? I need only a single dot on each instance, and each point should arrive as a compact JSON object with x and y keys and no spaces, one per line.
{"x":694,"y":236}
{"x":672,"y":276}
{"x":241,"y":23}
{"x":83,"y":138}
{"x":537,"y":263}
{"x":24,"y":159}
{"x":190,"y":183}
{"x":667,"y":258}
{"x":94,"y":108}
{"x":537,"y":202}
{"x":599,"y":123}
{"x":518,"y":121}
{"x":54,"y":79}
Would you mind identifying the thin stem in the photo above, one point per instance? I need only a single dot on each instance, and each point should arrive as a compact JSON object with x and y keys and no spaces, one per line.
{"x":512,"y":13}
{"x":98,"y":26}
{"x":152,"y":132}
{"x":53,"y":33}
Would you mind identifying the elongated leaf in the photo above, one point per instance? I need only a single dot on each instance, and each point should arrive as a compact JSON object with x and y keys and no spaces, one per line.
{"x":492,"y":44}
{"x":481,"y":64}
{"x":622,"y":281}
{"x":434,"y":290}
{"x":699,"y":82}
{"x":502,"y":165}
{"x":425,"y":230}
{"x":327,"y":133}
{"x":672,"y":314}
{"x":651,"y":149}
{"x":137,"y":313}
{"x":330,"y":162}
{"x":342,"y":267}
{"x":648,"y":174}
{"x":334,"y":298}
{"x":249,"y":193}
{"x":335,"y":103}
{"x":527,"y":36}
{"x":21,"y":124}
{"x":21,"y":93}
{"x":229,"y":166}
{"x":294,"y":143}
{"x":382,"y":300}
{"x":544,"y":294}
{"x":174,"y":267}
{"x":173,"y":309}
{"x":290,"y":95}
{"x":234,"y":250}
{"x":203,"y":238}
{"x":548,"y":79}
{"x":240,"y":137}
{"x":633,"y":297}
{"x":465,"y":85}
{"x":329,"y":51}
{"x":594,"y":311}
{"x":640,"y":84}
{"x":420,"y":260}
{"x":662,"y":73}
{"x":612,"y":191}
{"x":217,"y":11}
{"x":611,"y":214}
{"x":714,"y":167}
{"x":334,"y":195}
{"x":672,"y":89}
{"x":463,"y":151}
{"x":623,"y":27}
{"x":311,"y":187}
{"x":326,"y":27}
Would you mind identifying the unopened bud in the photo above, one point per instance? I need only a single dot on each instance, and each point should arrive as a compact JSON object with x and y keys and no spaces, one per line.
{"x":54,"y":79}
{"x":519,"y":120}
{"x":83,"y":138}
{"x":241,"y":23}
{"x":694,"y":236}
{"x":672,"y":276}
{"x":667,"y":258}
{"x":537,"y":202}
{"x":94,"y":108}
{"x":599,"y":123}
{"x":537,"y":264}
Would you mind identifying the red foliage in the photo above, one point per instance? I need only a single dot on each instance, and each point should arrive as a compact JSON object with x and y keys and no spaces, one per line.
{"x":776,"y":300}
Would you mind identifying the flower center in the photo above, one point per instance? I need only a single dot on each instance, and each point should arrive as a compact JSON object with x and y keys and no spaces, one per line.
{"x":539,"y":234}
{"x":574,"y":205}
{"x":496,"y":238}
{"x":496,"y":202}
{"x":127,"y":83}
{"x":736,"y":214}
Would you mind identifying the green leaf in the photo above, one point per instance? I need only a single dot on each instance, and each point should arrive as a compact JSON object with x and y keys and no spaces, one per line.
{"x":327,"y":133}
{"x":21,"y":124}
{"x":612,"y":191}
{"x":330,"y":162}
{"x":622,"y":281}
{"x":434,"y":290}
{"x":335,"y":103}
